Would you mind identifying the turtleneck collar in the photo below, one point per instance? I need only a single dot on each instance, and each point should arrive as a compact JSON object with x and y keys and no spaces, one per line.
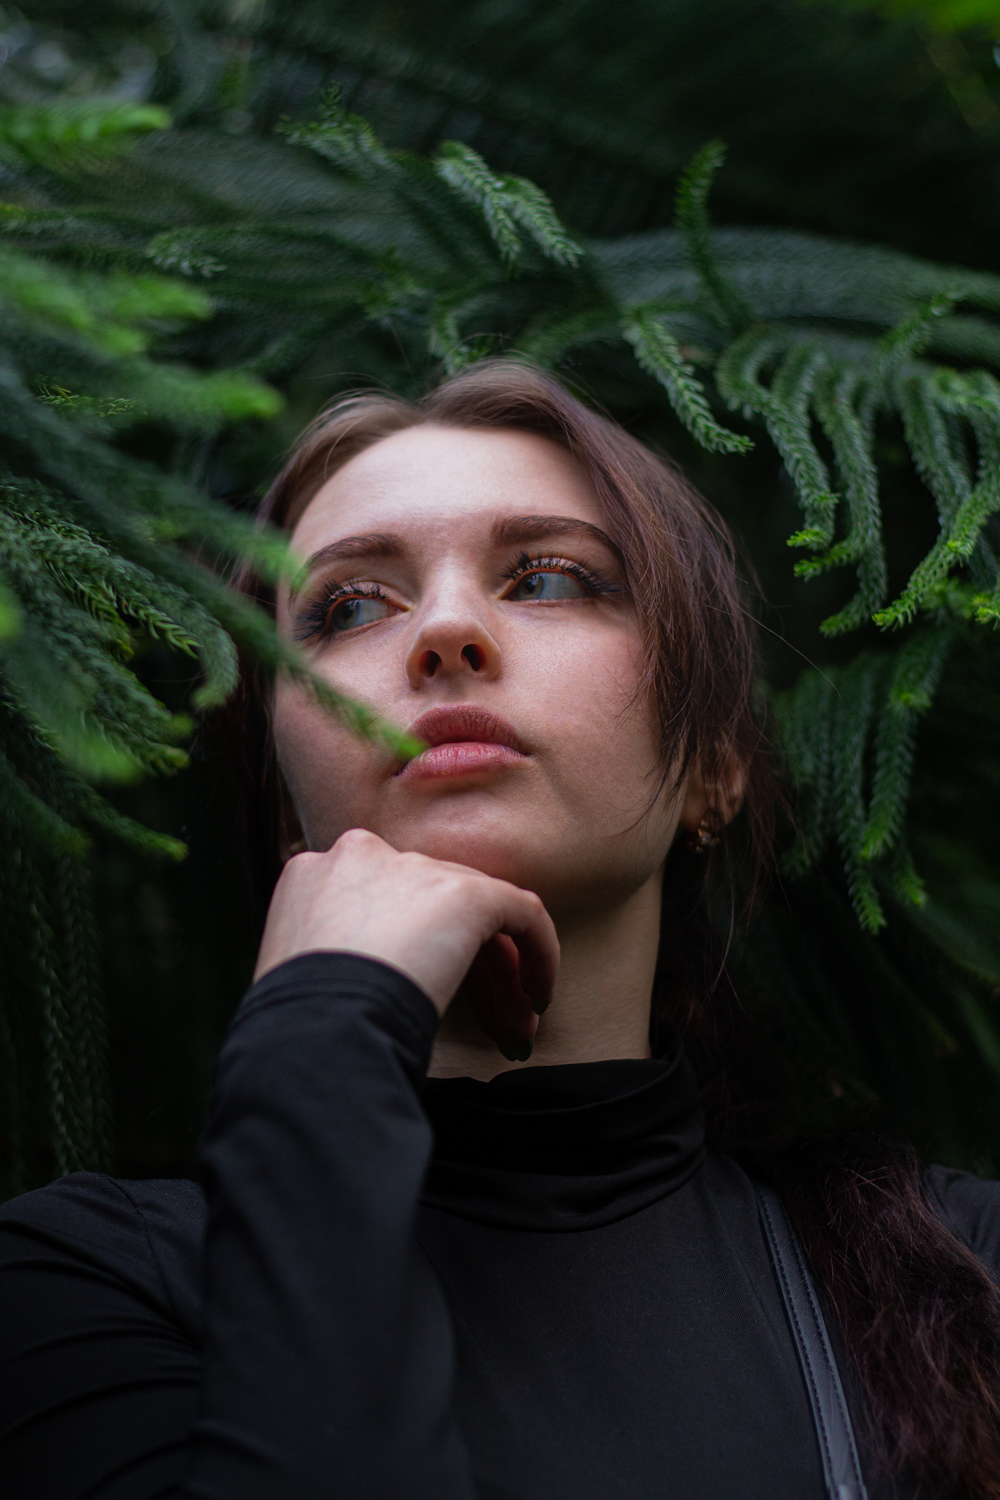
{"x":563,"y":1148}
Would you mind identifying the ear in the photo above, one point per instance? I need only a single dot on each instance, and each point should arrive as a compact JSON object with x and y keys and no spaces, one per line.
{"x":720,"y":801}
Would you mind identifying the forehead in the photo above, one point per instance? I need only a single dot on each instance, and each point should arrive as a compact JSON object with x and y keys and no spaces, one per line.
{"x":430,"y":479}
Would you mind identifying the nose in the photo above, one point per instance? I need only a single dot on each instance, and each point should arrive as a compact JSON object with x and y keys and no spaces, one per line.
{"x":452,"y":644}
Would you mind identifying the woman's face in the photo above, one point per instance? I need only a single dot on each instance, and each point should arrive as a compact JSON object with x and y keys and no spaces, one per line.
{"x":460,"y":583}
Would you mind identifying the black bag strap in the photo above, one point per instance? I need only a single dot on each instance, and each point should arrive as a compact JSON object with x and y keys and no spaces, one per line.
{"x":834,"y":1432}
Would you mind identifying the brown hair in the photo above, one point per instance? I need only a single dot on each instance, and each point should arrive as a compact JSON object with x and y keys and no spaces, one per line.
{"x":677,"y":556}
{"x":917,"y":1311}
{"x":919,"y":1316}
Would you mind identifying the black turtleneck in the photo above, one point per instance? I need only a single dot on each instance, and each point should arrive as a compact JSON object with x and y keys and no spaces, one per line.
{"x":394,"y":1288}
{"x":566,"y":1148}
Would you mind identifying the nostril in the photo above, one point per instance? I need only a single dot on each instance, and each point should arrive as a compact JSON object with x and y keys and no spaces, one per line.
{"x":475,"y":656}
{"x":431,"y":663}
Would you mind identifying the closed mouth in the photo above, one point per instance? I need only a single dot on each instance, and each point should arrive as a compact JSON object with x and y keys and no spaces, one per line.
{"x":464,"y":722}
{"x":462,"y":740}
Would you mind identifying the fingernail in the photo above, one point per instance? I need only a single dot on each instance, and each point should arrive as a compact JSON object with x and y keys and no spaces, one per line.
{"x":539,"y":1007}
{"x":517,"y":1051}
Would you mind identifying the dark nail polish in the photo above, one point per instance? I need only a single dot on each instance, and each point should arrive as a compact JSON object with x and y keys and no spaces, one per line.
{"x":516,"y":1051}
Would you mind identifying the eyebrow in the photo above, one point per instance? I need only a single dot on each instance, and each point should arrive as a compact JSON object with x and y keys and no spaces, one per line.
{"x":373,"y":544}
{"x":510,"y":532}
{"x":514,"y":530}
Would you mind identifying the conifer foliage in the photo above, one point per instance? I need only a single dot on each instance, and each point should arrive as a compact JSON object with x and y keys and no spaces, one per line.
{"x":96,"y":555}
{"x":137,"y":297}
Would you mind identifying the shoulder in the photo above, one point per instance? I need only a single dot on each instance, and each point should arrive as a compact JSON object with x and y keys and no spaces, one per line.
{"x":144,"y":1235}
{"x":970,"y":1208}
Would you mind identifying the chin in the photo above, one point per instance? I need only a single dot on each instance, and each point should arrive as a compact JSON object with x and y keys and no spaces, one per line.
{"x":503,"y":840}
{"x":501,"y":853}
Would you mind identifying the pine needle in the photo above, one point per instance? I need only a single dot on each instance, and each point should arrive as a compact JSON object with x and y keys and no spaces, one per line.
{"x":691,"y":217}
{"x":659,"y":353}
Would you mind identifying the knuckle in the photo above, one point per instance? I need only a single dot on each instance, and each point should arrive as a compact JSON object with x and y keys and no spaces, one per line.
{"x":297,"y":864}
{"x":416,"y":870}
{"x":353,"y":840}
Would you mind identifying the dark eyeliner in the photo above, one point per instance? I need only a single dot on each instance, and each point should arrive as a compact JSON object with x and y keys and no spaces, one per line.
{"x":524,"y":566}
{"x":312,"y":618}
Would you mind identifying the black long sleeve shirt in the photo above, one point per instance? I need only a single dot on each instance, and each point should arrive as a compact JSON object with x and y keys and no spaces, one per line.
{"x":393,"y":1288}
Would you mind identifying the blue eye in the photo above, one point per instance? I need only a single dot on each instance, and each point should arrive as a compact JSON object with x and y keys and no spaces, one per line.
{"x":547,"y":586}
{"x":348,"y":614}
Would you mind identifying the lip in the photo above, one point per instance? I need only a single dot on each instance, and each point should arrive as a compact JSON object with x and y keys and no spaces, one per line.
{"x":462,"y":740}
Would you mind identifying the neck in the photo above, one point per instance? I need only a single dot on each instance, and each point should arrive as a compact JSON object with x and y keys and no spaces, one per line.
{"x":600,"y":1008}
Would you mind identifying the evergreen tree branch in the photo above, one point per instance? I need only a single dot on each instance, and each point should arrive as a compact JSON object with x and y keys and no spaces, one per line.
{"x":859,"y":685}
{"x":468,"y":175}
{"x":845,"y":405}
{"x":532,"y":209}
{"x":917,"y":672}
{"x":691,"y":217}
{"x":658,"y":352}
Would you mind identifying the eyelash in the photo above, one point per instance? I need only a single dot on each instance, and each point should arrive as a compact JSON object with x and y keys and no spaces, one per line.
{"x":526,"y":565}
{"x":313,"y":616}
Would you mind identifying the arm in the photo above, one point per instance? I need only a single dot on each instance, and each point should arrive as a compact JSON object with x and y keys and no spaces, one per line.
{"x":99,"y":1360}
{"x":327,"y":1348}
{"x":328,"y":1356}
{"x":325,"y":1363}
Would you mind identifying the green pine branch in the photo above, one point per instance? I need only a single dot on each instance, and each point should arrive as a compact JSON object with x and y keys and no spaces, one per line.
{"x":659,"y":353}
{"x":328,"y":251}
{"x":691,"y":215}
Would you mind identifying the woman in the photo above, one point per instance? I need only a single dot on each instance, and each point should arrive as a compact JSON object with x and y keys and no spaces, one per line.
{"x":460,"y":1233}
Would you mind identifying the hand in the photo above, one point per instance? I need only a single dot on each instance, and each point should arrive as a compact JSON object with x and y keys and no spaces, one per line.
{"x":429,"y":918}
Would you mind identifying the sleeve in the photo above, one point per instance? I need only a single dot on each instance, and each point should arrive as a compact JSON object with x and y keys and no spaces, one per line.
{"x":328,"y":1356}
{"x":970,"y":1208}
{"x":99,"y":1368}
{"x":319,"y":1361}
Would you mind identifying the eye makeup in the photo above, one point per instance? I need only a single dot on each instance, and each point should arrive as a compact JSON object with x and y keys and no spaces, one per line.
{"x":317,"y":617}
{"x":327,"y":614}
{"x":524,"y":566}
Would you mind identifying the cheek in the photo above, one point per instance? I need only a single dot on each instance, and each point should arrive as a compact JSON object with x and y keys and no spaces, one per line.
{"x":587,"y":690}
{"x":328,"y":770}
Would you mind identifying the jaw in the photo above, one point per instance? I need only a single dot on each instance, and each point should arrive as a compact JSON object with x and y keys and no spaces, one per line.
{"x":581,"y":871}
{"x":572,"y":833}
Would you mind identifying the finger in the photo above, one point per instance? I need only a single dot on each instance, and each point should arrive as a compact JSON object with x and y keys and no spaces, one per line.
{"x":499,"y":1002}
{"x":533,"y":932}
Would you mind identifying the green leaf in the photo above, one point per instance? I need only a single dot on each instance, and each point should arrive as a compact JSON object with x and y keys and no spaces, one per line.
{"x":658,"y":352}
{"x":532,"y":209}
{"x":691,"y":217}
{"x":913,"y":334}
{"x":917,"y":673}
{"x":74,"y":132}
{"x":465,"y":171}
{"x":346,"y":140}
{"x":11,"y":617}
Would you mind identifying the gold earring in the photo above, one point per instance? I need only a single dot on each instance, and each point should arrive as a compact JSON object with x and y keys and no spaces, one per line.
{"x":705,"y":835}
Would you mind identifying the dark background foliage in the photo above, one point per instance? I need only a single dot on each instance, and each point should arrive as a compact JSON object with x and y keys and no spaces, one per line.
{"x":837,"y":120}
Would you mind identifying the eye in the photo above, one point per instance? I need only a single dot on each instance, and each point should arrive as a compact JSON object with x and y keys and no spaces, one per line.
{"x":547,"y":586}
{"x":339,"y":610}
{"x":549,"y":580}
{"x":348,"y":614}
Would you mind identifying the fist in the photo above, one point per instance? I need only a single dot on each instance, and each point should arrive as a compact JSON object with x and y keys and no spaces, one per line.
{"x":429,"y":918}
